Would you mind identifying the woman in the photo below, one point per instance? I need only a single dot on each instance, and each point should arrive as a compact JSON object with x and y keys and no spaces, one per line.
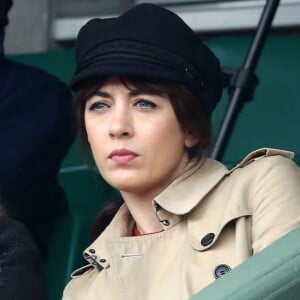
{"x":146,"y":86}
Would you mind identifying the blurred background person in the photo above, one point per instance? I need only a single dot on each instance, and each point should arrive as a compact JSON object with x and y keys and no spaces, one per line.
{"x":36,"y":132}
{"x":21,"y":268}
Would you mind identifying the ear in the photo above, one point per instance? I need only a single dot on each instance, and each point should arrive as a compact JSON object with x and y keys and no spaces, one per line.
{"x":190,"y":141}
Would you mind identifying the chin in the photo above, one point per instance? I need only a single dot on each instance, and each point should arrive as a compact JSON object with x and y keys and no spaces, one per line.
{"x":122,"y":179}
{"x":125,"y":183}
{"x":129,"y":185}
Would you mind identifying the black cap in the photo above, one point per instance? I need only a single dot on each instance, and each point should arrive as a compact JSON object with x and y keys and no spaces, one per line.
{"x":148,"y":42}
{"x":5,"y":5}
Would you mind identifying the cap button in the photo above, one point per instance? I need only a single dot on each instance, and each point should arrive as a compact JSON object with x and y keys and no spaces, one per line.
{"x":188,"y":73}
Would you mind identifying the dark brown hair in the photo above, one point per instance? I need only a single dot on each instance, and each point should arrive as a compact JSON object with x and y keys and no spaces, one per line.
{"x":192,"y":114}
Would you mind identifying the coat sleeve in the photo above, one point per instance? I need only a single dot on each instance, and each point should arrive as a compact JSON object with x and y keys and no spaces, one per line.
{"x":275,"y":200}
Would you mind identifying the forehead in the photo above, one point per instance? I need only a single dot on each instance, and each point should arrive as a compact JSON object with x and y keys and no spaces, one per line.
{"x":137,"y":85}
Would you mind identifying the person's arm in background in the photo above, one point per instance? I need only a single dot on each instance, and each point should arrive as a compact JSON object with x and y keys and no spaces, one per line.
{"x":21,"y":270}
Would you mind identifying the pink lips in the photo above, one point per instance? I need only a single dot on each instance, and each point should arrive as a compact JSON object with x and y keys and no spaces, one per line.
{"x":122,"y":156}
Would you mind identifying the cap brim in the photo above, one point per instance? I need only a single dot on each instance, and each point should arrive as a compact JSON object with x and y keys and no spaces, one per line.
{"x":129,"y":69}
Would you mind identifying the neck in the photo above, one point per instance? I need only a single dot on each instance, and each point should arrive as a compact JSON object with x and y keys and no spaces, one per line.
{"x":142,"y":211}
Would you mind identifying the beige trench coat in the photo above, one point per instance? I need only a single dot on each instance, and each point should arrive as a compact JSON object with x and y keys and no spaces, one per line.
{"x":214,"y":220}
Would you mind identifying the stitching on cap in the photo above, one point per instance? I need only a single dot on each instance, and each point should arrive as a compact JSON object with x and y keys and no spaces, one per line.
{"x":146,"y":53}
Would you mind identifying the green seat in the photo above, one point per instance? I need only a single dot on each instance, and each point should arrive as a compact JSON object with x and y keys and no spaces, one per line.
{"x":87,"y":193}
{"x":272,"y":274}
{"x":272,"y":118}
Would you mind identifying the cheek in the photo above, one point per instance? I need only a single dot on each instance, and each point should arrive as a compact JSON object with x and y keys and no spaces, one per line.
{"x":164,"y":133}
{"x":89,"y":132}
{"x":93,"y":132}
{"x":87,"y":126}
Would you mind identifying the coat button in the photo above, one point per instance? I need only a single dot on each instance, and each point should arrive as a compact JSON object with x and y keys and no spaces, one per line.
{"x":221,"y":270}
{"x":207,"y":239}
{"x":166,"y":222}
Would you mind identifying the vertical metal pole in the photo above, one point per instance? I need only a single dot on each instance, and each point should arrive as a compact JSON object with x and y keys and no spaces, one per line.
{"x":250,"y":62}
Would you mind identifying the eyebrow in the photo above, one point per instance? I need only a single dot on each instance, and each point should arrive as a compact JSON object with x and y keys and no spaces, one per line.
{"x":102,"y":94}
{"x":131,"y":93}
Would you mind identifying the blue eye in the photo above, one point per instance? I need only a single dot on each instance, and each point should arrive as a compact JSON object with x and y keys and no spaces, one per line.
{"x":145,"y":104}
{"x":96,"y":106}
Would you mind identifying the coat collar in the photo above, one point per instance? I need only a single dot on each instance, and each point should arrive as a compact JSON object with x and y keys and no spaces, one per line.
{"x":121,"y":226}
{"x":174,"y":201}
{"x":188,"y":190}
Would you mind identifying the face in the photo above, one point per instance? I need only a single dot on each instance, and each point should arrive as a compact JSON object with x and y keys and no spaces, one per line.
{"x":136,"y":139}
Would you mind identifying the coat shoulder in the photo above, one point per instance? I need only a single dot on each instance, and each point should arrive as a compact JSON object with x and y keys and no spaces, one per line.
{"x":261,"y":154}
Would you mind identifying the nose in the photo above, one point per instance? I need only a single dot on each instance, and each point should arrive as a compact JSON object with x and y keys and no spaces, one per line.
{"x":120,"y":124}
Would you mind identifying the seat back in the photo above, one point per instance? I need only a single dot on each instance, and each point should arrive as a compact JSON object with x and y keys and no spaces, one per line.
{"x":87,"y":193}
{"x":271,"y":119}
{"x":274,"y":273}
